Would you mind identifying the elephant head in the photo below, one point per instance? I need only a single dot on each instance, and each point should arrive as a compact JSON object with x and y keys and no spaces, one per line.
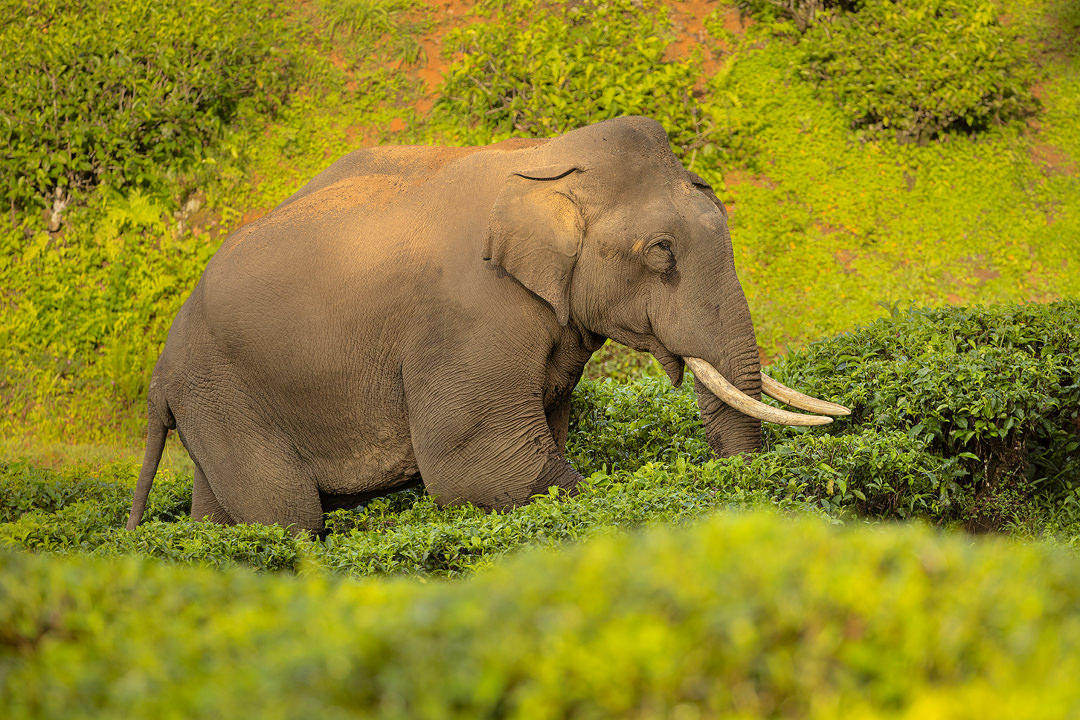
{"x":613,"y":233}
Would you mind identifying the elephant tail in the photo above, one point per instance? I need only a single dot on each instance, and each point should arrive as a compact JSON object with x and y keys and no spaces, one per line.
{"x":156,"y":432}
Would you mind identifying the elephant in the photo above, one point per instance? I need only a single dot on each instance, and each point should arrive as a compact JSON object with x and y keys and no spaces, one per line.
{"x":421,"y":315}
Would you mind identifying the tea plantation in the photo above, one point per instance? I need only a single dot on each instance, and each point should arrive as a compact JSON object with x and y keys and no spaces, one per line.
{"x":903,"y":182}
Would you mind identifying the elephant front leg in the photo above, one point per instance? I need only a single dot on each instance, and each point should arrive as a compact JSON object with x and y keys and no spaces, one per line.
{"x":496,"y":455}
{"x":558,"y":420}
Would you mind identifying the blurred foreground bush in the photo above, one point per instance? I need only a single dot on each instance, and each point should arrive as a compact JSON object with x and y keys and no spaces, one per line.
{"x":741,"y":616}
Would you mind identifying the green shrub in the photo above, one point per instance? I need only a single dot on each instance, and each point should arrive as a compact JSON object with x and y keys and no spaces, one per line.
{"x":186,"y":541}
{"x":869,"y":473}
{"x":366,"y":25}
{"x":29,"y":489}
{"x":802,"y":12}
{"x":740,"y":616}
{"x":124,"y":93}
{"x":548,"y":67}
{"x":996,"y":388}
{"x":922,"y":68}
{"x":78,"y":508}
{"x":620,"y":426}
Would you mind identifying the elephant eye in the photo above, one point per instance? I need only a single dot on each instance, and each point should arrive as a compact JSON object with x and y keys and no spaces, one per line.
{"x":661,"y":256}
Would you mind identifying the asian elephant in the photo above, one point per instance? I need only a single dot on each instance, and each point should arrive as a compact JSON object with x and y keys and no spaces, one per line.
{"x":422,"y":315}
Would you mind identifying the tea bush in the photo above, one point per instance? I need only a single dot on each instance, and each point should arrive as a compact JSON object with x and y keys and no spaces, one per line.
{"x":996,"y":388}
{"x":128,"y":93}
{"x":887,"y":67}
{"x":739,"y":616}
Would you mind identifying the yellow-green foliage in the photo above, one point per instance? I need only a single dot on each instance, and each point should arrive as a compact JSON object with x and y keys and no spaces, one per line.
{"x":740,"y":616}
{"x":86,"y":315}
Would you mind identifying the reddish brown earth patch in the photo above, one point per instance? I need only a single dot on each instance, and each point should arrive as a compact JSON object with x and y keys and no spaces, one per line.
{"x":688,"y":23}
{"x":844,"y":258}
{"x":742,"y":177}
{"x":983,"y":274}
{"x":446,"y":16}
{"x":252,"y":215}
{"x":734,"y":178}
{"x":1055,"y":160}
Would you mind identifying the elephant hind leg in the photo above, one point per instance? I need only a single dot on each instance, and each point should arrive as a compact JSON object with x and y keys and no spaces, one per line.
{"x":205,"y":505}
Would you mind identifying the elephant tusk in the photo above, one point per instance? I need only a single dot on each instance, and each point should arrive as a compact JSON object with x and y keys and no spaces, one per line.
{"x":728,"y":393}
{"x":796,"y":399}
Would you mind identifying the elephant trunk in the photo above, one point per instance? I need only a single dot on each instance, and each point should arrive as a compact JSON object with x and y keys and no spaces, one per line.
{"x":730,"y":401}
{"x":729,"y":430}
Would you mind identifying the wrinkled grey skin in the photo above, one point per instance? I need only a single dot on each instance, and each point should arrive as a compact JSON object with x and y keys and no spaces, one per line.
{"x":423,"y":314}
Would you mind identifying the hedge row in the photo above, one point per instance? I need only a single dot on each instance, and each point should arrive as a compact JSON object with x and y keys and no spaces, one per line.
{"x":741,"y":616}
{"x":965,"y":416}
{"x":995,"y":389}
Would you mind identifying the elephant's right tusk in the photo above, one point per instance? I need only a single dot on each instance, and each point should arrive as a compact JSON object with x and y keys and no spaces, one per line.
{"x":779,"y":391}
{"x":728,"y":393}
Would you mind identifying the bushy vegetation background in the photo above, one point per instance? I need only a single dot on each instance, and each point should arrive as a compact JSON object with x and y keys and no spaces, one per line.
{"x":878,"y":159}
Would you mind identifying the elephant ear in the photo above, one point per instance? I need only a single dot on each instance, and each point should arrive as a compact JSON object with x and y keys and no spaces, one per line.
{"x":700,"y":184}
{"x":535,"y":232}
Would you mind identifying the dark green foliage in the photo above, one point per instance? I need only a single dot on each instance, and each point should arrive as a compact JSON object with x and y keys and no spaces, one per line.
{"x":996,"y":388}
{"x":187,"y":541}
{"x":740,"y":616}
{"x":873,"y":473}
{"x":125,"y":92}
{"x":548,"y":67}
{"x":32,"y":489}
{"x":617,"y":426}
{"x":922,"y":68}
{"x":78,"y":508}
{"x":802,"y":12}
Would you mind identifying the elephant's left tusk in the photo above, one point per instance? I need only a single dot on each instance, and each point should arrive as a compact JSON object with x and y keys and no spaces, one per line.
{"x":728,"y":393}
{"x":796,"y":399}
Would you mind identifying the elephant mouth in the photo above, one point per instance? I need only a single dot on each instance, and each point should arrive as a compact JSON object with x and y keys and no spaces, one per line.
{"x":731,"y":395}
{"x":672,"y":363}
